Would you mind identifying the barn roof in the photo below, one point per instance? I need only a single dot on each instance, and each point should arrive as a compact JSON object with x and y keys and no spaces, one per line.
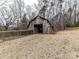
{"x":41,"y":18}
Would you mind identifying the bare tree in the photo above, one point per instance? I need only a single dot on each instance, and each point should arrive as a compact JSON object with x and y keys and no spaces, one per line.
{"x":13,"y":12}
{"x":24,"y":23}
{"x":6,"y":18}
{"x":75,"y":11}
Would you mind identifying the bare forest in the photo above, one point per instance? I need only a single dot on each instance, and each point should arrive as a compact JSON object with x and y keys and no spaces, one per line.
{"x":39,"y":29}
{"x":17,"y":15}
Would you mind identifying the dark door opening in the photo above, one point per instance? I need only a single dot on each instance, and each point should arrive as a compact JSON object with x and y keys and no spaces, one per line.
{"x":38,"y":28}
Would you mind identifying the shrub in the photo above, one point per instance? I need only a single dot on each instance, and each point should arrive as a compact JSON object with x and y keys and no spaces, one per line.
{"x":77,"y":24}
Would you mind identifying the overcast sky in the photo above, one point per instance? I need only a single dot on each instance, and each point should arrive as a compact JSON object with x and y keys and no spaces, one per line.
{"x":27,"y":2}
{"x":30,"y":2}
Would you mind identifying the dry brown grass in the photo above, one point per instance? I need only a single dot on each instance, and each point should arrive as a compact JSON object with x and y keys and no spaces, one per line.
{"x":63,"y":45}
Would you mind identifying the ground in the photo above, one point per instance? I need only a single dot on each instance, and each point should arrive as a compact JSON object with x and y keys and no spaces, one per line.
{"x":62,"y":45}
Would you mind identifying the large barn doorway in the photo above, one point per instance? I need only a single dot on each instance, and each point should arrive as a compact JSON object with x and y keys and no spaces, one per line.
{"x":38,"y":28}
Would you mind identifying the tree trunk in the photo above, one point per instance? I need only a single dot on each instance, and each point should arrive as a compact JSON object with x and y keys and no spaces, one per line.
{"x":6,"y":28}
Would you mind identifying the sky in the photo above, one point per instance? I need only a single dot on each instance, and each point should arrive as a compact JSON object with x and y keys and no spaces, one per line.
{"x":31,"y":2}
{"x":27,"y":2}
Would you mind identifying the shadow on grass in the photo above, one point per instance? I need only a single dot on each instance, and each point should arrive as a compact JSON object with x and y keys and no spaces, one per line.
{"x":72,"y":28}
{"x":12,"y":38}
{"x":3,"y":39}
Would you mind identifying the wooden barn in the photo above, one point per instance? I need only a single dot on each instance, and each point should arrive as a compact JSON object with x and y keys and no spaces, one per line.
{"x":40,"y":25}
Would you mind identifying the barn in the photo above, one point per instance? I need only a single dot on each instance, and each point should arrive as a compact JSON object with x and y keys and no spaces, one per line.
{"x":40,"y":25}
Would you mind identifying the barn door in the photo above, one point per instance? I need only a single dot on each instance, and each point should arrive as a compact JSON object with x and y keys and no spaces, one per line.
{"x":38,"y":28}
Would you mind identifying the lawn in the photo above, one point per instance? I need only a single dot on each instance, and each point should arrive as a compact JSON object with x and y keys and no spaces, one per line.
{"x":62,"y":45}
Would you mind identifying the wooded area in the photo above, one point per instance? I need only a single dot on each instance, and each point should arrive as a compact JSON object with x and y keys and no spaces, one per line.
{"x":59,"y":13}
{"x":39,"y":29}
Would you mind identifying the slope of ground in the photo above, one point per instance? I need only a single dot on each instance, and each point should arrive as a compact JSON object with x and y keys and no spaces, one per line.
{"x":63,"y":45}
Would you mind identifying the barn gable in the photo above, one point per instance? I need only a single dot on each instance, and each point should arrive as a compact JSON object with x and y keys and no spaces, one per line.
{"x":40,"y":25}
{"x":39,"y":18}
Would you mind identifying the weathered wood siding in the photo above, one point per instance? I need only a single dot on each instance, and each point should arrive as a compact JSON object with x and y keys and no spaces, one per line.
{"x":46,"y":26}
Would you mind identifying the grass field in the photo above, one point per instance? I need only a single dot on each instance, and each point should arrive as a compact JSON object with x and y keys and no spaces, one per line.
{"x":62,"y":45}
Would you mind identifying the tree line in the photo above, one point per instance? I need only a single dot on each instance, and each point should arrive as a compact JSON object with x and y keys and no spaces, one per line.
{"x":19,"y":13}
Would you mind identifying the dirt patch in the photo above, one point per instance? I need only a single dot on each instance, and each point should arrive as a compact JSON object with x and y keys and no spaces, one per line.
{"x":63,"y":45}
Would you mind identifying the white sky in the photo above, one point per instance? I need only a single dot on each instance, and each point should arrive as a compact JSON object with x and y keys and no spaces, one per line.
{"x":31,"y":2}
{"x":27,"y":2}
